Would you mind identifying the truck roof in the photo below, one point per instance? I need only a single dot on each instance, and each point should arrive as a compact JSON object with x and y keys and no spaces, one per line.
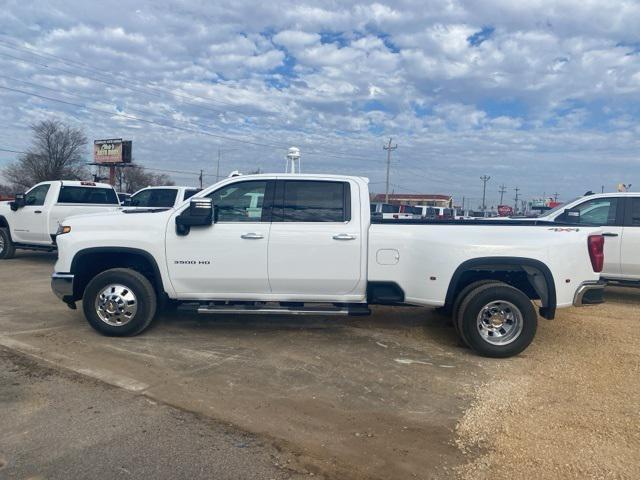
{"x":611,"y":194}
{"x":78,"y":183}
{"x":302,"y":176}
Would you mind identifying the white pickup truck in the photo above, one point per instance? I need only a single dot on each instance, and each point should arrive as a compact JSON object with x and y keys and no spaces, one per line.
{"x":31,"y":221}
{"x":160,"y":197}
{"x":619,"y":216}
{"x":306,"y":244}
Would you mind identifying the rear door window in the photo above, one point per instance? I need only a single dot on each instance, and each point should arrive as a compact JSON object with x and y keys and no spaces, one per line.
{"x":88,"y":195}
{"x":634,"y":218}
{"x":314,"y":201}
{"x":388,"y":208}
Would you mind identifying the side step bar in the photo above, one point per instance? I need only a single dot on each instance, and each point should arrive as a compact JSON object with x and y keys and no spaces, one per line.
{"x":293,"y":309}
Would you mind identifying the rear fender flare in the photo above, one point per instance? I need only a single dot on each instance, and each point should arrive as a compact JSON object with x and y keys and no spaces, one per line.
{"x":538,"y":274}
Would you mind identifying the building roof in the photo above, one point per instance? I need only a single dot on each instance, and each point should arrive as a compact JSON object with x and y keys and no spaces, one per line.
{"x":411,"y":196}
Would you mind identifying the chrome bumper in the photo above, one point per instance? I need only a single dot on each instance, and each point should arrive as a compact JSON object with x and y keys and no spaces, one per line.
{"x":62,"y":286}
{"x":589,"y":293}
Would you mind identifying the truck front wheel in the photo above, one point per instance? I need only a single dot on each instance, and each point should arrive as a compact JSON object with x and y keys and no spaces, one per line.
{"x":119,"y":302}
{"x":497,"y":320}
{"x":7,"y":249}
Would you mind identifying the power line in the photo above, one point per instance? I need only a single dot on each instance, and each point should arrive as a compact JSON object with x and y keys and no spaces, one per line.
{"x":106,"y":82}
{"x":11,"y":151}
{"x":174,"y":127}
{"x":308,"y":152}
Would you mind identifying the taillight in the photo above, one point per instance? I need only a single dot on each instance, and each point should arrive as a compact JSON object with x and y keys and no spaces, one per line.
{"x":596,"y":252}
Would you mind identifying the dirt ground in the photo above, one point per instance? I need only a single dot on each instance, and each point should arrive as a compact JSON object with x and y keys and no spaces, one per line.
{"x":390,"y":396}
{"x":569,"y":407}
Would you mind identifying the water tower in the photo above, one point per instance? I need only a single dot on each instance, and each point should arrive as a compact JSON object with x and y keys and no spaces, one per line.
{"x":293,"y":157}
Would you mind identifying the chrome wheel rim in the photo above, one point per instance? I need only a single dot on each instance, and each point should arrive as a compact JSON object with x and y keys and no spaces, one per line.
{"x":499,"y":322}
{"x":1,"y":244}
{"x":116,"y":305}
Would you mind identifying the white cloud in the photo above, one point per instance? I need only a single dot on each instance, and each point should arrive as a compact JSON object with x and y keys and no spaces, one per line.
{"x":295,"y":39}
{"x":554,"y":86}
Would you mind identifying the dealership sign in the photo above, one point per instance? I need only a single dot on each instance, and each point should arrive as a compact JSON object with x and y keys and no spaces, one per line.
{"x":112,"y":150}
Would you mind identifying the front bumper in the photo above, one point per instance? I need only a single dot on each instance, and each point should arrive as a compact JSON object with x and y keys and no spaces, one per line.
{"x":589,"y":293}
{"x":62,"y":286}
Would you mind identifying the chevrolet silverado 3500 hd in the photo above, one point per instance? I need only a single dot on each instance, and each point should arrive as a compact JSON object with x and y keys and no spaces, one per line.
{"x":306,"y":244}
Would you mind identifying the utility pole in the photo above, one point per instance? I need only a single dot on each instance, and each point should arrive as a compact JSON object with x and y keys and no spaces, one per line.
{"x":389,"y":148}
{"x":200,"y":178}
{"x":218,"y":167}
{"x":555,"y":196}
{"x":517,"y":190}
{"x":502,"y":191}
{"x":485,"y":179}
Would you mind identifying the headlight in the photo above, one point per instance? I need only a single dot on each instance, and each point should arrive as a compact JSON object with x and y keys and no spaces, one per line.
{"x":62,"y":229}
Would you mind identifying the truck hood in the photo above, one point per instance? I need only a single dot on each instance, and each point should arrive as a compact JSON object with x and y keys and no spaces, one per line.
{"x":119,"y":220}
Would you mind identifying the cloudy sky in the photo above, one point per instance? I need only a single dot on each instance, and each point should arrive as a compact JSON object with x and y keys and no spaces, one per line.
{"x":543,"y":95}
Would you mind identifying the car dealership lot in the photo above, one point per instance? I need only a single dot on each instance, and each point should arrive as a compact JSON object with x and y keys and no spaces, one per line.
{"x":387,"y":396}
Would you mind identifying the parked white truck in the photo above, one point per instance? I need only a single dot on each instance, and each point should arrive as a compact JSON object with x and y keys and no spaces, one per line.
{"x":32,"y":219}
{"x":306,"y":244}
{"x":619,"y":216}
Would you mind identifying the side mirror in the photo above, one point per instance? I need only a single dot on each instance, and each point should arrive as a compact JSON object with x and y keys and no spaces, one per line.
{"x":199,"y":213}
{"x":571,"y":215}
{"x":19,"y":202}
{"x":126,"y":202}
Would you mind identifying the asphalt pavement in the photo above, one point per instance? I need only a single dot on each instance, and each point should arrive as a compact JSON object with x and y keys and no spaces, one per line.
{"x":59,"y":425}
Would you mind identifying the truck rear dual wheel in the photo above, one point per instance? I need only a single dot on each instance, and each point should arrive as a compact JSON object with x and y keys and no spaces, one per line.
{"x":497,"y":320}
{"x":7,"y":249}
{"x":119,"y":302}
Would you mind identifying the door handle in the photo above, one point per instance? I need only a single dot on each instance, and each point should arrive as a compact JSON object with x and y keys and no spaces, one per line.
{"x":344,"y":236}
{"x":609,"y":234}
{"x":252,"y":236}
{"x":38,"y":211}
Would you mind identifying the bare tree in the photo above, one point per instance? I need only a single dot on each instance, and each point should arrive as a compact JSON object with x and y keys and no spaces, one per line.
{"x":56,"y":154}
{"x":133,"y":178}
{"x":5,"y":190}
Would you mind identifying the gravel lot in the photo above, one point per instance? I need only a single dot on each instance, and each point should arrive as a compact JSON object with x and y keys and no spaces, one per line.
{"x":388,"y":396}
{"x":567,"y":408}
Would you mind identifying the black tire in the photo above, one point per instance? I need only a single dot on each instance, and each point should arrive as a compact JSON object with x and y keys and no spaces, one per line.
{"x":455,"y":310}
{"x":134,"y":283}
{"x":474,"y":304}
{"x":7,"y":248}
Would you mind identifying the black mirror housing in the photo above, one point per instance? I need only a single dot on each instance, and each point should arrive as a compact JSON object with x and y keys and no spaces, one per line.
{"x":126,"y":202}
{"x":199,"y":213}
{"x":18,"y":202}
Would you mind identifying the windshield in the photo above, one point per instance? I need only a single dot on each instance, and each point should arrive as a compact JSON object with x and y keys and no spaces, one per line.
{"x":154,"y":198}
{"x":562,"y":206}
